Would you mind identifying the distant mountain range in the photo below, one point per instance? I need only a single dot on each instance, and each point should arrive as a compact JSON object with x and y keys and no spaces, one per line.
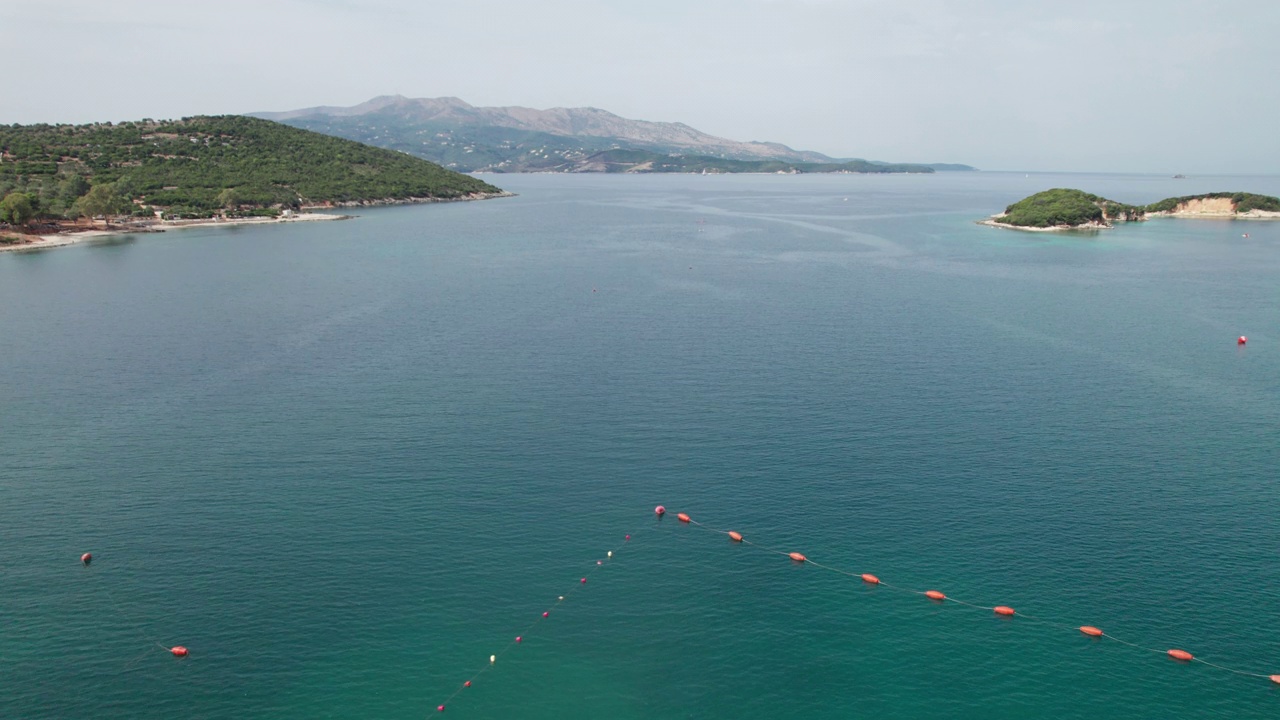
{"x":464,"y":137}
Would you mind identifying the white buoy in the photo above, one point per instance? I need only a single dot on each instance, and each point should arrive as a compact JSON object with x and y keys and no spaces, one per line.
{"x":610,"y":554}
{"x":493,"y":659}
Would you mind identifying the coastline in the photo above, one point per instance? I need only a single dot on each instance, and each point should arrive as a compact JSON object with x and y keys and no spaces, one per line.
{"x":409,"y":201}
{"x":1090,"y":226}
{"x":1248,"y":215}
{"x":63,"y":239}
{"x":309,"y":214}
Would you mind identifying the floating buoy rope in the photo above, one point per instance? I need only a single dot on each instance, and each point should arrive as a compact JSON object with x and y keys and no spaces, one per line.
{"x":1003,"y":610}
{"x":178,"y":651}
{"x":545,"y":615}
{"x":738,"y":538}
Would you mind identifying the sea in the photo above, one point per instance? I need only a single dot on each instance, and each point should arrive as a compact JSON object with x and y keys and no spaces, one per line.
{"x":345,"y":463}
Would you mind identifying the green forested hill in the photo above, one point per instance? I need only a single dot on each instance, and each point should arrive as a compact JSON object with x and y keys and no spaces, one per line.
{"x":198,"y":165}
{"x":1065,"y":207}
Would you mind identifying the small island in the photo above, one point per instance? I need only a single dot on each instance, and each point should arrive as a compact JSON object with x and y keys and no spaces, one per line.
{"x":59,"y":181}
{"x":1070,"y":209}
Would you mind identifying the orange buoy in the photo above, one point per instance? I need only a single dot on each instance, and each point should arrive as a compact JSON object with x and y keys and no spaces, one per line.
{"x":1091,"y":631}
{"x":1003,"y":610}
{"x":1242,"y":340}
{"x":868,"y":577}
{"x":178,"y":651}
{"x":1181,"y":655}
{"x":934,"y":595}
{"x":735,"y":536}
{"x":798,"y":557}
{"x":86,"y":558}
{"x":682,"y":517}
{"x":1275,"y":679}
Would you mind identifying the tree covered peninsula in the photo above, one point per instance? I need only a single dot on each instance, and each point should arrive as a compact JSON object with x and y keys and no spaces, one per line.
{"x":199,"y":167}
{"x":1065,"y":209}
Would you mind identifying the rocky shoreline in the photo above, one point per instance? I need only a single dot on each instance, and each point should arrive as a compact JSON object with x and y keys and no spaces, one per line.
{"x":1090,"y":226}
{"x":72,"y":237}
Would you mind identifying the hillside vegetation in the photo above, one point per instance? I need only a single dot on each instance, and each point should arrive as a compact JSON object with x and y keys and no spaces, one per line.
{"x":196,"y":166}
{"x":1065,"y":207}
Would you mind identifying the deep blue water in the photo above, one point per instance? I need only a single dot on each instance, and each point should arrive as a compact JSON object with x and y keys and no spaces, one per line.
{"x":345,"y":462}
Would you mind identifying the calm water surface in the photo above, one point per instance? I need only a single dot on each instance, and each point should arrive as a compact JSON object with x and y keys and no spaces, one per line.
{"x":345,"y":462}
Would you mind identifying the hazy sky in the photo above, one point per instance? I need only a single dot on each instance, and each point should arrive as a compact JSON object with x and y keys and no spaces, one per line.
{"x":1172,"y":86}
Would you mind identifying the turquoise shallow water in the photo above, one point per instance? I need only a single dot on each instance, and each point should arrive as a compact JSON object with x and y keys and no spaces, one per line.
{"x":345,"y":462}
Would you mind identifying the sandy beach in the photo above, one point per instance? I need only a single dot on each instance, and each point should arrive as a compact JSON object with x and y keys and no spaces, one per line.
{"x":42,"y":242}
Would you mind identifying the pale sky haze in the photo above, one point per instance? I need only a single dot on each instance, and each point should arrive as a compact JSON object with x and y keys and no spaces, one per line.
{"x":1182,"y":86}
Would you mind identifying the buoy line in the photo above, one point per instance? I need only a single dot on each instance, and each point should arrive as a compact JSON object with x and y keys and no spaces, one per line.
{"x":528,"y":631}
{"x":178,"y":651}
{"x":939,"y":597}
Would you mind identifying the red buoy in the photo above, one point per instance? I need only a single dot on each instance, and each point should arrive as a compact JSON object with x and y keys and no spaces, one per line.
{"x":735,"y":536}
{"x":682,"y":517}
{"x":584,"y":581}
{"x":798,"y":557}
{"x":178,"y":651}
{"x":599,"y":562}
{"x":1182,"y":655}
{"x":660,"y":510}
{"x":519,"y":639}
{"x":546,"y":614}
{"x":627,"y":537}
{"x":1091,"y":631}
{"x":439,"y":708}
{"x":934,"y":595}
{"x":869,"y":578}
{"x":86,"y":558}
{"x":1003,"y":610}
{"x":1242,"y":340}
{"x":466,"y":684}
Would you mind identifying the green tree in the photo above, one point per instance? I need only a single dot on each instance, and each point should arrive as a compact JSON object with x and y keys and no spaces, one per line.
{"x":70,"y":190}
{"x":229,"y":198}
{"x":126,"y":188}
{"x":17,"y":208}
{"x":102,"y":199}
